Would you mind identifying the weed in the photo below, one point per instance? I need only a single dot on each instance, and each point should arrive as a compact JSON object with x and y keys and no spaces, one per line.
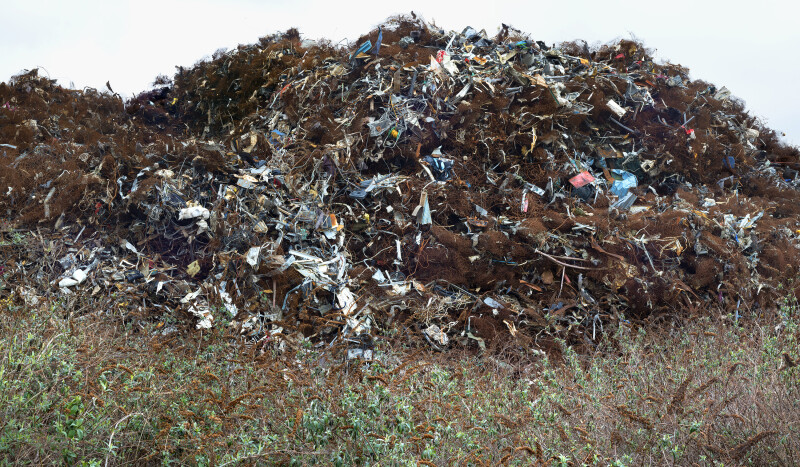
{"x":713,"y":393}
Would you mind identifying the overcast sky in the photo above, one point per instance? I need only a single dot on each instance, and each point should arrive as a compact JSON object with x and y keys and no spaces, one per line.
{"x":750,"y":47}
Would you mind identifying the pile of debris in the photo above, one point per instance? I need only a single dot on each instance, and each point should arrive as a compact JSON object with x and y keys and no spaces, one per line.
{"x":461,"y":188}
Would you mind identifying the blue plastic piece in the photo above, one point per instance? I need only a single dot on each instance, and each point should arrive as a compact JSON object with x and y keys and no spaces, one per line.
{"x":729,"y":162}
{"x":363,"y":49}
{"x":440,"y":167}
{"x":378,"y":42}
{"x":276,"y":138}
{"x":621,"y":187}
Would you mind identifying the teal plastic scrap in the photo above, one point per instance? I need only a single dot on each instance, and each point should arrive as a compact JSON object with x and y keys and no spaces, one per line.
{"x":364,"y":48}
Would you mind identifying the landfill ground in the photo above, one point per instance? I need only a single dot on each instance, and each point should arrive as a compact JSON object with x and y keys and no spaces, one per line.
{"x":422,"y":195}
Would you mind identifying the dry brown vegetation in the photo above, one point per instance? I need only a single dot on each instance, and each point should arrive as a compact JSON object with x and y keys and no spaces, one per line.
{"x":89,"y":388}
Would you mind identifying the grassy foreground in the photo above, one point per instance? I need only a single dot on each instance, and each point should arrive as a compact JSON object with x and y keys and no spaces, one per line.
{"x":85,"y":391}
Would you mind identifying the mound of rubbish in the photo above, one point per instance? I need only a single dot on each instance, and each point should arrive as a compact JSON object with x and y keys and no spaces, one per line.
{"x":461,"y":189}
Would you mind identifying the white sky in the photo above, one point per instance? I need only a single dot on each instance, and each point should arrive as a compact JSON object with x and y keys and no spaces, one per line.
{"x":750,"y":47}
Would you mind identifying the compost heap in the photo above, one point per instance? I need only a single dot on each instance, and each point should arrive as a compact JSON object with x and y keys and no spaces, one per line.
{"x":459,"y":189}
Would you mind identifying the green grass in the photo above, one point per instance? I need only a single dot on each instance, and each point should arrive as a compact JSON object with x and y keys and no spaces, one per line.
{"x":91,"y":390}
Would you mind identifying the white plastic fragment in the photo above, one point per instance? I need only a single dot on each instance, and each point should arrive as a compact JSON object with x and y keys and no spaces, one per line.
{"x":252,"y":256}
{"x":378,"y":276}
{"x":450,"y":66}
{"x":346,"y":301}
{"x":194,"y":212}
{"x":227,"y":301}
{"x":399,"y":251}
{"x":67,"y":282}
{"x":401,"y":288}
{"x":77,"y":278}
{"x":618,"y":110}
{"x":79,"y":275}
{"x":200,"y":310}
{"x":206,"y":319}
{"x":492,"y":303}
{"x":190,"y":296}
